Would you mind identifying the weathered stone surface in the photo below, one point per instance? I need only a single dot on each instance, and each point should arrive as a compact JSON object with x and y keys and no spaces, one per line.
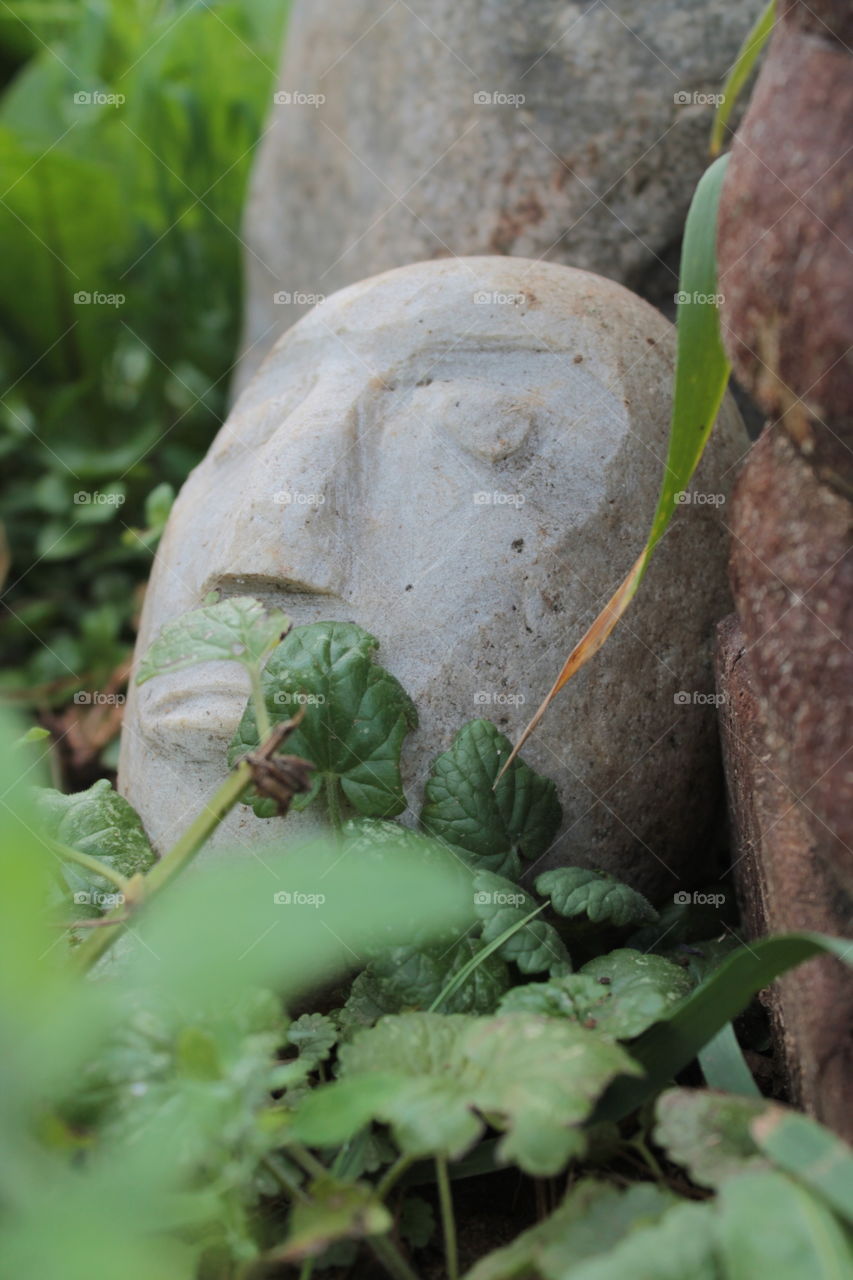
{"x":472,"y":451}
{"x":784,"y":885}
{"x":784,"y":245}
{"x":792,"y":579}
{"x":594,"y":168}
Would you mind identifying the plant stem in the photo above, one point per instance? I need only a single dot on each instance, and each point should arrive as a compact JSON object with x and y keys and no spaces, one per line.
{"x":98,"y":868}
{"x":639,"y":1145}
{"x":170,"y":864}
{"x":391,"y":1258}
{"x":309,"y":1162}
{"x":262,"y":720}
{"x":448,"y":1221}
{"x":286,"y":1184}
{"x":397,"y":1169}
{"x":333,"y":802}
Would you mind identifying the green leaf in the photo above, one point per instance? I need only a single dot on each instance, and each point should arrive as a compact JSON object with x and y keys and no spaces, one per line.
{"x":337,"y":1211}
{"x":681,"y":1245}
{"x":235,"y":630}
{"x":644,"y":987}
{"x":437,"y":1079}
{"x":413,"y":978}
{"x":584,"y":999}
{"x":746,"y":59}
{"x":771,"y":1226}
{"x":593,"y":1217}
{"x":417,"y":1222}
{"x":708,"y":1133}
{"x":600,"y":897}
{"x":356,"y":716}
{"x":669,"y":1045}
{"x":495,"y":827}
{"x":98,"y":822}
{"x":314,"y":1036}
{"x":810,"y":1153}
{"x":502,"y":905}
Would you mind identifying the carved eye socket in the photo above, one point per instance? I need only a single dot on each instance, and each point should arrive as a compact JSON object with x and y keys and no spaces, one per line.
{"x":487,"y":421}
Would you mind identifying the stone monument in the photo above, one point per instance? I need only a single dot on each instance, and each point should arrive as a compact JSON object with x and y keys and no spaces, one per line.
{"x":463,"y":457}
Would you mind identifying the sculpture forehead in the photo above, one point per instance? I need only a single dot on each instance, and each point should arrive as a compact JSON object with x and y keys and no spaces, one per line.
{"x":470,"y":305}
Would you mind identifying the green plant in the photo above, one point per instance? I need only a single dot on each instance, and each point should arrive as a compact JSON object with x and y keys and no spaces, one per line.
{"x":248,"y":1138}
{"x":136,"y":197}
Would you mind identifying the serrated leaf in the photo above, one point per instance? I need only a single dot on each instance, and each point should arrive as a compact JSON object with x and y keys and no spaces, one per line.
{"x":500,"y":904}
{"x":770,"y":1226}
{"x":579,"y":998}
{"x":575,"y":891}
{"x":356,"y":716}
{"x":708,"y":1133}
{"x":314,"y":1035}
{"x":681,"y":1245}
{"x":412,"y":978}
{"x":593,"y":1217}
{"x":98,"y":822}
{"x":235,"y":630}
{"x":438,"y":1079}
{"x":336,"y":1211}
{"x":646,"y":987}
{"x":496,"y":828}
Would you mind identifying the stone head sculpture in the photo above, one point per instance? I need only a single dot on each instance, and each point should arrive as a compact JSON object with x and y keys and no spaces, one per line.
{"x":463,"y":456}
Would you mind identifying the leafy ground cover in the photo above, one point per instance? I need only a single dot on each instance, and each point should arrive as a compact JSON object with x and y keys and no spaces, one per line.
{"x":316,"y":1062}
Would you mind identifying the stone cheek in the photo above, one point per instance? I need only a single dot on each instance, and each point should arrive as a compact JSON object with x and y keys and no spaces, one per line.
{"x":463,"y":457}
{"x":574,"y":132}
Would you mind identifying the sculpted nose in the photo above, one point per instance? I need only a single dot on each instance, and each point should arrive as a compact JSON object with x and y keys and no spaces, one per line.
{"x":291,"y":521}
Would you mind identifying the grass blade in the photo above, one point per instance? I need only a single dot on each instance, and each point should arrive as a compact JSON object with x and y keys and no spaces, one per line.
{"x":724,"y":1066}
{"x":701,"y":376}
{"x":671,"y":1044}
{"x":746,"y":59}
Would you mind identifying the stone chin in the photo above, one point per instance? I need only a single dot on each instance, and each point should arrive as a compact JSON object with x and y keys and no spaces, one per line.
{"x":463,"y":457}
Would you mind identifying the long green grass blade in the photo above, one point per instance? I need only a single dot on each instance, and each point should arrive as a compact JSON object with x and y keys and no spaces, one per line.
{"x":467,"y":969}
{"x":747,"y":57}
{"x":701,"y":376}
{"x":724,"y":1066}
{"x":670,"y":1045}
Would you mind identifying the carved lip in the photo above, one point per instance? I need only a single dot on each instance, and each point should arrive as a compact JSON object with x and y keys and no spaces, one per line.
{"x":193,"y":701}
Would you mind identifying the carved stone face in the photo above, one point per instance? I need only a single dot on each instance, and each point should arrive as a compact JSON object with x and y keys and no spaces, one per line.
{"x":462,"y":456}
